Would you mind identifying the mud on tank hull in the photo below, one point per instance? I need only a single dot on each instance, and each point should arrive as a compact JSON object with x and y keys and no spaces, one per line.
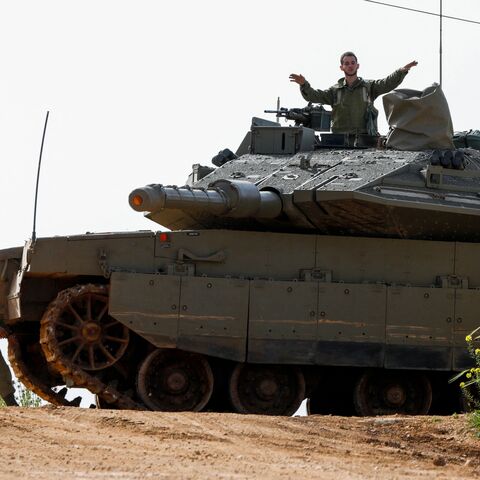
{"x":252,"y":322}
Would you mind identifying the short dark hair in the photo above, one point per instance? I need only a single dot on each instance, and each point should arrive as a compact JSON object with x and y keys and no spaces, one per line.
{"x":347,"y":54}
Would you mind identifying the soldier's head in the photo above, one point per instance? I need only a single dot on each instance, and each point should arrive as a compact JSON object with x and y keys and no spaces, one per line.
{"x":349,"y":64}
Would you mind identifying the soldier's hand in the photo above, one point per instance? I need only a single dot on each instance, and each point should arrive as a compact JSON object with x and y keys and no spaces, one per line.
{"x":3,"y":333}
{"x":300,"y":79}
{"x":408,"y":66}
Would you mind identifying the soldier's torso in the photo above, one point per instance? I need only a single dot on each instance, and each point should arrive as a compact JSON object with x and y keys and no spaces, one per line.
{"x":349,"y":109}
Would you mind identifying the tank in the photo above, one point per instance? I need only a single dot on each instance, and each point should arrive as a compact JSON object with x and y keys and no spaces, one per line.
{"x":306,"y":265}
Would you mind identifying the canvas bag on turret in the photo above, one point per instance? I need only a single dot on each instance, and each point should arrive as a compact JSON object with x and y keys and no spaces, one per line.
{"x":418,"y":120}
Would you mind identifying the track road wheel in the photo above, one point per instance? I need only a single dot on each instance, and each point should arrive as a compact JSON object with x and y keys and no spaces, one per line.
{"x":266,"y":389}
{"x":77,"y":328}
{"x":387,"y":393}
{"x":175,"y":381}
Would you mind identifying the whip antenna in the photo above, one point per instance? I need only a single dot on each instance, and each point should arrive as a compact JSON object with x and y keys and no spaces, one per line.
{"x":441,"y":15}
{"x":34,"y":234}
{"x":441,"y":34}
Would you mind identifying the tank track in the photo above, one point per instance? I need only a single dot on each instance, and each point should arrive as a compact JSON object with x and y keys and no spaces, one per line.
{"x":71,"y":373}
{"x":31,"y":381}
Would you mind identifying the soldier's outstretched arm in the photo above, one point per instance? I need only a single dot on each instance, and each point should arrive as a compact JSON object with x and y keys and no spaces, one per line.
{"x":309,"y":93}
{"x":379,"y":87}
{"x":408,"y":66}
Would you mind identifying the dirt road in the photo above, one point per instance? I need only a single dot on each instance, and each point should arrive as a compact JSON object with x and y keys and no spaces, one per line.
{"x":49,"y":442}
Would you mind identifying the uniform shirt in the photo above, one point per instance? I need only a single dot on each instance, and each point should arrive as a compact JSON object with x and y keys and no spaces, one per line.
{"x":349,"y":103}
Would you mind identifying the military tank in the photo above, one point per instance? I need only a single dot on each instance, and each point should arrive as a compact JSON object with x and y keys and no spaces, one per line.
{"x":305,"y":265}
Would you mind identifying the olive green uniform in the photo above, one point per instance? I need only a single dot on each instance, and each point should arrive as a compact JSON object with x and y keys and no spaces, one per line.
{"x":350,"y":103}
{"x":6,"y":387}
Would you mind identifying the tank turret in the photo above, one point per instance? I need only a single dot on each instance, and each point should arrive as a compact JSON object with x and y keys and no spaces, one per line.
{"x":300,"y":178}
{"x":355,"y":191}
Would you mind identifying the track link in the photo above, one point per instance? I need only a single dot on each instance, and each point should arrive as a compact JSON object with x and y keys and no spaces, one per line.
{"x":71,"y":373}
{"x":31,"y":381}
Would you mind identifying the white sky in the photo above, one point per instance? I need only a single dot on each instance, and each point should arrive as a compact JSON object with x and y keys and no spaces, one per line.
{"x":139,"y":90}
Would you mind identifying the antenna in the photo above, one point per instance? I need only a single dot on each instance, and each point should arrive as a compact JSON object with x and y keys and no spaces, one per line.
{"x":440,"y":52}
{"x":34,"y":234}
{"x":423,"y":11}
{"x":428,"y":13}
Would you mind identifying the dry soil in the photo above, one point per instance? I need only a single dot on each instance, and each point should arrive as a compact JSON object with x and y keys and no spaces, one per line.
{"x":49,"y":442}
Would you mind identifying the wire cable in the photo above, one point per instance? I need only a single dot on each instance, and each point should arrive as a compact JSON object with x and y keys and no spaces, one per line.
{"x":423,"y":11}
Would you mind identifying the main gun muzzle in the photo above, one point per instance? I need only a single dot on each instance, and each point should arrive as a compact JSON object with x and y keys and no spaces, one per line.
{"x":232,"y":198}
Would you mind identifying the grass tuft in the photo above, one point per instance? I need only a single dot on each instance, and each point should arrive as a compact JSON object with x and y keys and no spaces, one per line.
{"x":25,"y":397}
{"x":475,"y":422}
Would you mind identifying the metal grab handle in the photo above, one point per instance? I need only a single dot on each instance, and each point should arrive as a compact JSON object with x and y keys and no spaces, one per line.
{"x":217,"y":257}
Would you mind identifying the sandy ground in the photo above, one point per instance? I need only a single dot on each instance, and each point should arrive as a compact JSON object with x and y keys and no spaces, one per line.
{"x":50,"y":442}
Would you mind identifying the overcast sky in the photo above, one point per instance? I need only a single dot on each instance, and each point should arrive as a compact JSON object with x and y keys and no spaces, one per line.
{"x":138,"y":91}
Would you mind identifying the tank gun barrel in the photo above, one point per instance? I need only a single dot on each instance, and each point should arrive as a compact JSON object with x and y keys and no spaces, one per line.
{"x":231,"y":198}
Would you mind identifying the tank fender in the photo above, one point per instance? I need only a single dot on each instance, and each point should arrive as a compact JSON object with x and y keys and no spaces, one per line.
{"x":198,"y":314}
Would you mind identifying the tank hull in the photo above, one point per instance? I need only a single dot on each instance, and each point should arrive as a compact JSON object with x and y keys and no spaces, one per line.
{"x":238,"y":298}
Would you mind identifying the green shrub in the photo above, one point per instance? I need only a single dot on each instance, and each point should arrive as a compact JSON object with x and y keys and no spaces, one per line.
{"x":475,"y":421}
{"x":470,"y":379}
{"x":25,"y":397}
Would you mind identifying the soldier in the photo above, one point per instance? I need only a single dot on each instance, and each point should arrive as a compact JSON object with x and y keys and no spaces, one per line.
{"x":352,"y":97}
{"x":6,"y":388}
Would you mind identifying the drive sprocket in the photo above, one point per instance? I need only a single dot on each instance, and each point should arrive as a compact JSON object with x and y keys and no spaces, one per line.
{"x":79,"y":338}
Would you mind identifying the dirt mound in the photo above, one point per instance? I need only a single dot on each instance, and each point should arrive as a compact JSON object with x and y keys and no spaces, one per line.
{"x":50,"y":442}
